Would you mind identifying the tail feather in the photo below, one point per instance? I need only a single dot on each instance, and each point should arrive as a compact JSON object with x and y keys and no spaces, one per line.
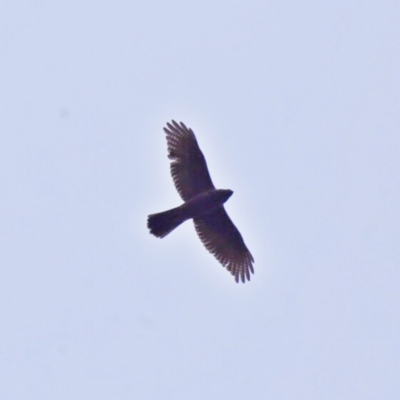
{"x":163,"y":223}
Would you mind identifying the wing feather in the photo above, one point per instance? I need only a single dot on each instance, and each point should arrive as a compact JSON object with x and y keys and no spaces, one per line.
{"x":221,"y":238}
{"x":188,"y":166}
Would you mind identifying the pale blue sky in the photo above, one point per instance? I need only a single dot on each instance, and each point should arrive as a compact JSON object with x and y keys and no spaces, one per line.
{"x":296,"y":106}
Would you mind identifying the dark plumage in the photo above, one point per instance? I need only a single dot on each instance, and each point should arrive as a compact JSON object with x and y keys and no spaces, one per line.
{"x":203,"y":203}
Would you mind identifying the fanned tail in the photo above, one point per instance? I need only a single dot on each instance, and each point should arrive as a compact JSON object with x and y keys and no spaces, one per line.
{"x":161,"y":224}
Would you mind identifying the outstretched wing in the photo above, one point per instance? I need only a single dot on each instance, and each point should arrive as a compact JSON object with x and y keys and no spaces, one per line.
{"x":221,"y":238}
{"x":188,"y":166}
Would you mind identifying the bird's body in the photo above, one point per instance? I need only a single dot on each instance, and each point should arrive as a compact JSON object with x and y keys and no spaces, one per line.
{"x":161,"y":224}
{"x":203,"y":203}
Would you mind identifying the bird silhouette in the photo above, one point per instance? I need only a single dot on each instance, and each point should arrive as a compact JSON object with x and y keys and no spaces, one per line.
{"x":203,"y":203}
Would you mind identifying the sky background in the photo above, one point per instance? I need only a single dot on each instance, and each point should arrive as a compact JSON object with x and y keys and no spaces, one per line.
{"x":296,"y":106}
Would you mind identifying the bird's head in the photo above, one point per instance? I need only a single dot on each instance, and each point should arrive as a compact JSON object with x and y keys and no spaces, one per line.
{"x":225,"y":194}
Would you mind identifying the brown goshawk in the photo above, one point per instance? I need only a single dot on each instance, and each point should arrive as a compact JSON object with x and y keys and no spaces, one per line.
{"x":202,"y":203}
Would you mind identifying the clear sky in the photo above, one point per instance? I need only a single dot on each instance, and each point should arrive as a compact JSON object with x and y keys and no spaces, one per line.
{"x":296,"y":106}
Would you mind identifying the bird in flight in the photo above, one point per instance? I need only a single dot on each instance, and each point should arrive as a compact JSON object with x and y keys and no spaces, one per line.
{"x":203,"y":203}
